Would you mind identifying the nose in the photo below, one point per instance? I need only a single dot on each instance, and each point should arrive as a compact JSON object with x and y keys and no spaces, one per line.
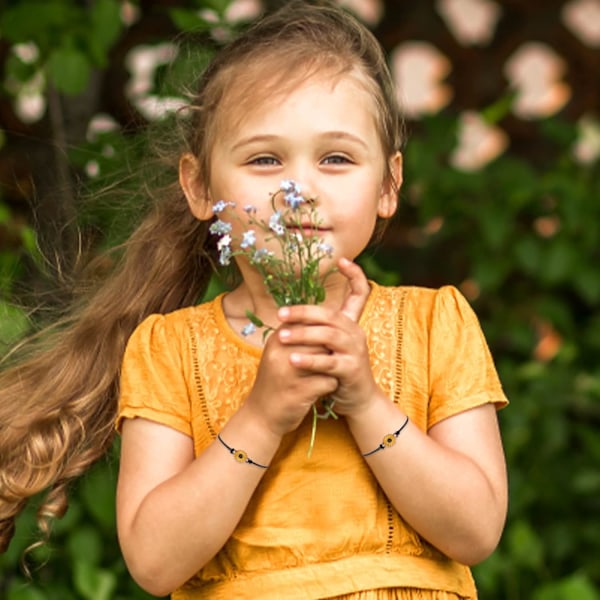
{"x":305,"y":173}
{"x":294,"y":193}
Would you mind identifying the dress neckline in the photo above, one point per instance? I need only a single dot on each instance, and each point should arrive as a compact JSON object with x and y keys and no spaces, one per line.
{"x":237,"y":339}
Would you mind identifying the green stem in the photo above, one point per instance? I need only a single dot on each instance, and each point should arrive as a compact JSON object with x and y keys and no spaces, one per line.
{"x":313,"y":432}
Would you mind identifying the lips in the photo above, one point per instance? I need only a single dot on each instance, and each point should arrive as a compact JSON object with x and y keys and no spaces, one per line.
{"x":306,"y":228}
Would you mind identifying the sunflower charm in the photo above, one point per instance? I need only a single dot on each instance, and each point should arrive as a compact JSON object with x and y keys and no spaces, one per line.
{"x":240,"y":456}
{"x":389,"y":440}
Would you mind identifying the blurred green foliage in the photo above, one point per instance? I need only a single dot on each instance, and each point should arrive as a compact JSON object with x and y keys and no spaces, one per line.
{"x":520,"y":239}
{"x":72,"y":39}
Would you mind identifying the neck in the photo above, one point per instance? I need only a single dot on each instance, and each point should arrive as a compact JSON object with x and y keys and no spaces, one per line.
{"x":252,"y":295}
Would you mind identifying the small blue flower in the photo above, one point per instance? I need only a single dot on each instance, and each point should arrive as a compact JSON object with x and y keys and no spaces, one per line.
{"x":248,"y":329}
{"x":224,"y":247}
{"x":290,"y":186}
{"x":224,"y":242}
{"x":248,"y":239}
{"x":326,"y":249}
{"x":250,"y":209}
{"x":275,"y":224}
{"x":292,"y":246}
{"x":261,"y":255}
{"x":225,"y":256}
{"x":220,"y":206}
{"x":220,"y":228}
{"x":293,"y":200}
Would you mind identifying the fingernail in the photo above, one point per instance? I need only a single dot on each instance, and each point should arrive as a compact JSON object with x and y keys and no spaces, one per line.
{"x":283,"y":312}
{"x":284,"y":334}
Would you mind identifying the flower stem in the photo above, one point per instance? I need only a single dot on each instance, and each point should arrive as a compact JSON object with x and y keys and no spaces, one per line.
{"x":313,"y":432}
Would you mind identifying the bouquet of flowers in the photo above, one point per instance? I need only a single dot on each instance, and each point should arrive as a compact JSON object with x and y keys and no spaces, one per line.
{"x":291,"y":276}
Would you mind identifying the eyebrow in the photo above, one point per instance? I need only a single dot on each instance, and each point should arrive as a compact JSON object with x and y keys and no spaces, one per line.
{"x":334,"y":135}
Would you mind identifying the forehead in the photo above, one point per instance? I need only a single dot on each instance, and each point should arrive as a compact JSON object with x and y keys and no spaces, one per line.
{"x":254,"y":93}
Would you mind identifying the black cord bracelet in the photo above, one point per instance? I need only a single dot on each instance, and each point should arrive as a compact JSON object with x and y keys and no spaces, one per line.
{"x":239,"y":455}
{"x":389,"y":440}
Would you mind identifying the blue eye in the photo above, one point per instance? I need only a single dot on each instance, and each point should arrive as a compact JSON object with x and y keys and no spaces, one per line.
{"x":337,"y":159}
{"x":264,"y":160}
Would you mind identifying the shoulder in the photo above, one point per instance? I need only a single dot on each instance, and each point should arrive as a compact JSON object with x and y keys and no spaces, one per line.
{"x":421,"y":301}
{"x":168,"y":329}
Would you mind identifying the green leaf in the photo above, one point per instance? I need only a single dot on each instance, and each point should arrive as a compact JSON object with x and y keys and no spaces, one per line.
{"x":558,"y":260}
{"x":13,"y":324}
{"x":188,"y":20}
{"x":219,"y":6}
{"x":85,"y":543}
{"x":106,"y":21}
{"x":21,"y":590}
{"x":98,"y":494}
{"x":5,"y":214}
{"x":498,"y":110}
{"x":37,"y":20}
{"x":92,"y":582}
{"x":528,"y":254}
{"x":69,"y":70}
{"x":254,"y":319}
{"x":586,"y":280}
{"x":29,"y":239}
{"x":574,"y":587}
{"x":18,"y":70}
{"x":525,"y":545}
{"x":105,"y":28}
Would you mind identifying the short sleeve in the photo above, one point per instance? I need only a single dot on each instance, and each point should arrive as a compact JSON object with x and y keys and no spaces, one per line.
{"x":462,"y":374}
{"x":153,"y":383}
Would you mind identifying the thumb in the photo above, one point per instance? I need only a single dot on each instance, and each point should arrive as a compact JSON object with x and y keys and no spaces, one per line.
{"x":359,"y":289}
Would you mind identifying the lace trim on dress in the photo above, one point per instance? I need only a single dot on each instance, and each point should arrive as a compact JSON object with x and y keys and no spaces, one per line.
{"x":197,"y":379}
{"x":399,"y":347}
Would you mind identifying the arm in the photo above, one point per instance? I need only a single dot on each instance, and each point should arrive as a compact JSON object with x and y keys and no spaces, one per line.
{"x":174,"y":511}
{"x":449,"y":484}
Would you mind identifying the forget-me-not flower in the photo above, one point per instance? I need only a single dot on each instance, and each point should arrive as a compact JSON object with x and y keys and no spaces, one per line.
{"x":220,"y":206}
{"x":289,"y":185}
{"x":224,"y":248}
{"x":275,"y":224}
{"x":220,"y":228}
{"x":248,"y":239}
{"x":326,"y":249}
{"x":261,"y":255}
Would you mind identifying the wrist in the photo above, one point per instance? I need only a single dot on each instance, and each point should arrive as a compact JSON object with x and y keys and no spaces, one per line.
{"x":372,"y":410}
{"x":248,"y":430}
{"x":380,"y":418}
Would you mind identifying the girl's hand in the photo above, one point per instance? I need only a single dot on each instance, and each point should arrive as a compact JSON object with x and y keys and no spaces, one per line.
{"x":340,"y":344}
{"x":283,"y":391}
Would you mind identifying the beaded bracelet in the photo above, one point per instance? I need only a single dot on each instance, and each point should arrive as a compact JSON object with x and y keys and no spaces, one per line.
{"x":239,"y":455}
{"x":389,"y":440}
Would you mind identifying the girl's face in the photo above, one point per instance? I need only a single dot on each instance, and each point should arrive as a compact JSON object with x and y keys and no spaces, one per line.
{"x":322,"y":134}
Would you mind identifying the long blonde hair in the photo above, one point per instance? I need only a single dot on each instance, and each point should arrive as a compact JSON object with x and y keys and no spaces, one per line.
{"x":58,"y":405}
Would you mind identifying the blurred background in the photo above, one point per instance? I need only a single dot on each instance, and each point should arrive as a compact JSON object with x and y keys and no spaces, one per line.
{"x":501,"y":198}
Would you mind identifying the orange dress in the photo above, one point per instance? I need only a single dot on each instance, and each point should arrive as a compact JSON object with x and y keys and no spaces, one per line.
{"x":317,"y":527}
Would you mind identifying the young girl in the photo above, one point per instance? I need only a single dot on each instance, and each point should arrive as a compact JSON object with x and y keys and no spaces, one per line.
{"x":216,"y":495}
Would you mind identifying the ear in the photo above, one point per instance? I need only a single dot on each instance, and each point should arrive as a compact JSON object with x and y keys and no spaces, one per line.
{"x":193,"y":187}
{"x":388,"y":201}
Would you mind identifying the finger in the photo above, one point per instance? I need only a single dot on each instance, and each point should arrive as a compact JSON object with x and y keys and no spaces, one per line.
{"x":311,"y":363}
{"x":308,"y":314}
{"x":321,"y":339}
{"x":359,"y":289}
